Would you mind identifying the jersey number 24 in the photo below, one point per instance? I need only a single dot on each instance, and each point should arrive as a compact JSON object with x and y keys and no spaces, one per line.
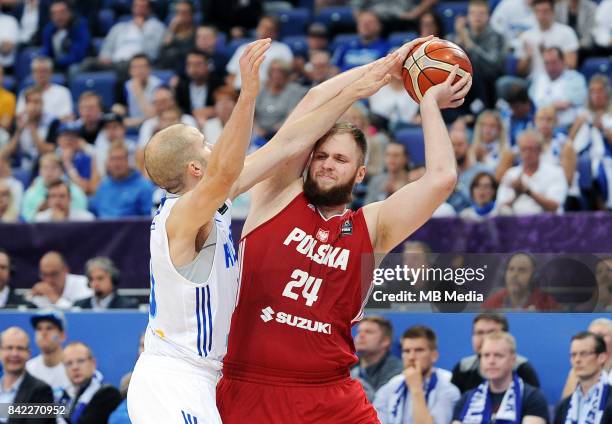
{"x":310,"y":286}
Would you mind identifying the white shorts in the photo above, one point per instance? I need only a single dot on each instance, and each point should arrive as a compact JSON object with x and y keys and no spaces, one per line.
{"x":169,"y":390}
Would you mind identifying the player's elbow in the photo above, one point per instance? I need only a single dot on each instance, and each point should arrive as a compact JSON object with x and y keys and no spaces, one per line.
{"x":444,"y":180}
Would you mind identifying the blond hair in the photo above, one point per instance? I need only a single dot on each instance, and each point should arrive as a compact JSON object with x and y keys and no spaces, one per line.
{"x":501,"y":335}
{"x":504,"y":145}
{"x":168,"y":154}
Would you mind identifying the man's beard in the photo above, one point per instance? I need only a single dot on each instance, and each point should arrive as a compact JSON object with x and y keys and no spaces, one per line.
{"x":338,"y":195}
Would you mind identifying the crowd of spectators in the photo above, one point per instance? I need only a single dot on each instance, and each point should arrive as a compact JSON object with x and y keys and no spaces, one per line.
{"x":538,"y":119}
{"x":410,"y":389}
{"x":518,"y":282}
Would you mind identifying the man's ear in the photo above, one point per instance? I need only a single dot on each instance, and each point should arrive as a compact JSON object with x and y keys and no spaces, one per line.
{"x":361,"y":173}
{"x":196,"y":168}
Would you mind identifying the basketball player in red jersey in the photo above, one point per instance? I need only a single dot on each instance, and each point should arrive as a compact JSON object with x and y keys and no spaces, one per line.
{"x":307,"y":261}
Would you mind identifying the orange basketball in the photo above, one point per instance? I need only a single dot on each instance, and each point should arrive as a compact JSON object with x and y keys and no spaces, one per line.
{"x":429,"y":63}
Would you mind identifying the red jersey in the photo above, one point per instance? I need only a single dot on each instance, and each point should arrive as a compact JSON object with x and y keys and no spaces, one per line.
{"x":304,"y":281}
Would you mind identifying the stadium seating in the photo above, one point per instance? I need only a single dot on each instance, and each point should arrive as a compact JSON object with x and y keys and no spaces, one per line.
{"x":596,"y":65}
{"x":341,"y":15}
{"x":293,"y":22}
{"x":341,"y":39}
{"x":449,"y":11}
{"x":413,"y":139}
{"x":106,"y":19}
{"x":23,"y":60}
{"x":164,"y":75}
{"x":234,"y":44}
{"x":102,"y":83}
{"x":397,"y":39}
{"x":297,"y":44}
{"x":9,"y":82}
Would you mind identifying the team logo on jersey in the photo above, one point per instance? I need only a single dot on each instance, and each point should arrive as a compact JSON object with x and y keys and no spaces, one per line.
{"x":347,"y":228}
{"x":268,"y":314}
{"x":322,"y":235}
{"x":223,"y":209}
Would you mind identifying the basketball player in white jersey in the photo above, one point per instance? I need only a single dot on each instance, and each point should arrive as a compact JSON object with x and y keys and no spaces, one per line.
{"x":194,"y":274}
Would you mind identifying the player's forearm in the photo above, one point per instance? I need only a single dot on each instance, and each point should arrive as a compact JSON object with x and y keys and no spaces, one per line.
{"x":326,"y":91}
{"x":301,"y":135}
{"x":227,"y":158}
{"x":439,"y":156}
{"x":292,"y":144}
{"x":547,"y":204}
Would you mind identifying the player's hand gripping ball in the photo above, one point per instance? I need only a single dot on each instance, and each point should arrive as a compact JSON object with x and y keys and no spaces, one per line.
{"x":429,"y":63}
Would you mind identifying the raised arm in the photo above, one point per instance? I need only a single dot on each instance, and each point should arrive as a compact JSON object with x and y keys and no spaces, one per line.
{"x":326,"y":91}
{"x":394,"y":219}
{"x":299,"y":136}
{"x":196,"y":208}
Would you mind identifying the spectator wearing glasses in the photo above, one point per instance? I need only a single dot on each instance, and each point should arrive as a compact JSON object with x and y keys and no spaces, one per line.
{"x":16,"y":384}
{"x":57,"y":288}
{"x":591,"y":401}
{"x":92,"y":401}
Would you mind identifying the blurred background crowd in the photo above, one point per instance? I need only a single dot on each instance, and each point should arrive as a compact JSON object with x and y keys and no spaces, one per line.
{"x":86,"y":84}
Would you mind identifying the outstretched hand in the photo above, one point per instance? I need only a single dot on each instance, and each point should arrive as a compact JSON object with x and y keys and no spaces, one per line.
{"x":403,"y":51}
{"x":250,"y":61}
{"x":449,"y":95}
{"x":377,"y":75}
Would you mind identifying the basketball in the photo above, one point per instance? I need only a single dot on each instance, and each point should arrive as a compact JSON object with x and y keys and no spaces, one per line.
{"x":429,"y":63}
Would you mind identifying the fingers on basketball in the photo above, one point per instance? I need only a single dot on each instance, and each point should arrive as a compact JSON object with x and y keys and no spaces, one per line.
{"x":428,"y":65}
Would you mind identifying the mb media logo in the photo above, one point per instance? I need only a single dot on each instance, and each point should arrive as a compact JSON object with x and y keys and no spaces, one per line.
{"x":266,"y":314}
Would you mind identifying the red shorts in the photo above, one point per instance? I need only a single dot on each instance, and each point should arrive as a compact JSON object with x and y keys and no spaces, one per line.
{"x":339,"y":402}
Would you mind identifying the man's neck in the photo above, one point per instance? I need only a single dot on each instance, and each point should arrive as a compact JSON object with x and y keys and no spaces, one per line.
{"x":199,"y":82}
{"x":371,"y":359}
{"x":519,"y":299}
{"x":398,"y":174}
{"x":530,"y":170}
{"x":478,"y":31}
{"x":91,"y":125}
{"x":51,"y":359}
{"x":588,"y":383}
{"x":275,"y":89}
{"x":120,"y":177}
{"x":329,"y":211}
{"x":369,"y":39}
{"x":546,"y":27}
{"x":100,"y":298}
{"x":501,"y":385}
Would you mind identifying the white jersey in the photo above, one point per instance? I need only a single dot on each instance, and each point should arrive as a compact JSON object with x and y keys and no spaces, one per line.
{"x":189,"y":320}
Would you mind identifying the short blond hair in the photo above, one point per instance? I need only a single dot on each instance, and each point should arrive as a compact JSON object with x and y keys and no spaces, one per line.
{"x":168,"y":154}
{"x":502,"y":335}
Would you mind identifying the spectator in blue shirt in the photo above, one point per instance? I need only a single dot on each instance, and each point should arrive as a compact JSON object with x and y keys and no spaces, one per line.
{"x":123,"y":191}
{"x":66,"y":38}
{"x":521,"y":114}
{"x":78,"y":163}
{"x":368,"y":48}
